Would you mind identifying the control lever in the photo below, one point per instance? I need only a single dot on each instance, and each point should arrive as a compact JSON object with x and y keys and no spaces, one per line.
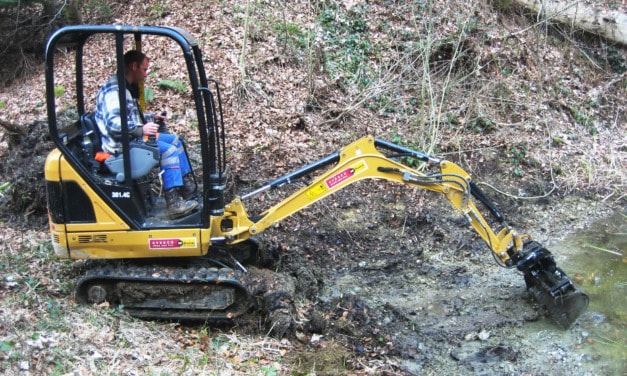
{"x":161,"y":122}
{"x":152,"y":139}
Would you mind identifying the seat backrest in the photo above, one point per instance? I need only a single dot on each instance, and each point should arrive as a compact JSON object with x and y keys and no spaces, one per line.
{"x":90,"y":130}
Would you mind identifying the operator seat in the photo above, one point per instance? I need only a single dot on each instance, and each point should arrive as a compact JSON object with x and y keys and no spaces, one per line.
{"x":144,"y":156}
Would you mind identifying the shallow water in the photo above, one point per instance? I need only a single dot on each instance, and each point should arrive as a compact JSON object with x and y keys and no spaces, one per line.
{"x":597,"y":261}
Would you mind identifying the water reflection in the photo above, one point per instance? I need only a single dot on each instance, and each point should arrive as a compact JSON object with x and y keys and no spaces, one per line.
{"x":598,"y":264}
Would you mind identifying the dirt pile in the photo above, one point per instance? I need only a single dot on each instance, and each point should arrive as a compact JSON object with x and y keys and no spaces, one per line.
{"x":23,"y":201}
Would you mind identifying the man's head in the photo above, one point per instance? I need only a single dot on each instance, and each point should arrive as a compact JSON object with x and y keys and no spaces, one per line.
{"x":136,"y":66}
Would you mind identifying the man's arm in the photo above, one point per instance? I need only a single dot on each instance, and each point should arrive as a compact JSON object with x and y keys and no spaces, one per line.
{"x":110,"y":108}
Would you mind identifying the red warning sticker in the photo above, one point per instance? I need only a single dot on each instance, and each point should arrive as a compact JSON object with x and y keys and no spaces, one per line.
{"x":346,"y":174}
{"x":172,"y":243}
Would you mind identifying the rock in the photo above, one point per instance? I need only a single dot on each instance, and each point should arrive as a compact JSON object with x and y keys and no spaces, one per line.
{"x":317,"y":323}
{"x":483,"y":335}
{"x":24,"y":366}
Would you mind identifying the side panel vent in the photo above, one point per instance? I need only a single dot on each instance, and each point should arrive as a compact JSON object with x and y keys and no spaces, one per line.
{"x":100,"y":238}
{"x":84,"y":238}
{"x":92,"y":239}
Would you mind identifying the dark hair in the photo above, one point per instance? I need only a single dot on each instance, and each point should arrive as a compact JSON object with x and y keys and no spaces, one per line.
{"x":134,"y":56}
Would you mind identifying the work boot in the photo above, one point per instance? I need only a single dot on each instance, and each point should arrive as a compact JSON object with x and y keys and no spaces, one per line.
{"x":177,"y":207}
{"x":190,"y":187}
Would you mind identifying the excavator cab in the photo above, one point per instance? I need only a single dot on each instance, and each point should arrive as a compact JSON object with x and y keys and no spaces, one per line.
{"x":102,"y":196}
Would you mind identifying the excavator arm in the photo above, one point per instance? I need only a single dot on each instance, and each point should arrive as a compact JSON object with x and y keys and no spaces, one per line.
{"x":363,"y":160}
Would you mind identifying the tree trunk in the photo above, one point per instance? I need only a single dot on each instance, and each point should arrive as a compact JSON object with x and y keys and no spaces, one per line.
{"x":73,"y":13}
{"x":608,"y":24}
{"x":69,"y":8}
{"x":12,"y":128}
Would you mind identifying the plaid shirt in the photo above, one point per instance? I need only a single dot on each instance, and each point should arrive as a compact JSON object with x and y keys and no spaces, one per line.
{"x":108,"y":116}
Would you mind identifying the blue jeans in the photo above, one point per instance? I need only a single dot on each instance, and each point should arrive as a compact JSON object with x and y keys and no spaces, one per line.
{"x":174,"y":163}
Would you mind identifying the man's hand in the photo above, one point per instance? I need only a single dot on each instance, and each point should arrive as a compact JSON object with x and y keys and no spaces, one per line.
{"x":150,"y":129}
{"x":161,"y":116}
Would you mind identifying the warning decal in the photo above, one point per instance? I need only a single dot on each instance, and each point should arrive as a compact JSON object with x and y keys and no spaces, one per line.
{"x":323,"y":187}
{"x":316,"y":191}
{"x":172,"y":243}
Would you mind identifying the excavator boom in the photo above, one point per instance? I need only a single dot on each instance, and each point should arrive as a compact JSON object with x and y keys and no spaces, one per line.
{"x":361,"y":160}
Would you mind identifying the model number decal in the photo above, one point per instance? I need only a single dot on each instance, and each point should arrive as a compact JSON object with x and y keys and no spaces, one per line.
{"x":120,"y":194}
{"x":172,"y":243}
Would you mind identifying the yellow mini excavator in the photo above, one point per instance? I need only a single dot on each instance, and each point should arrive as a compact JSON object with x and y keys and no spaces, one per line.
{"x":106,"y":208}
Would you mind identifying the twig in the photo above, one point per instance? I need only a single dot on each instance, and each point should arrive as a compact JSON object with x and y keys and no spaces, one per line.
{"x":471,"y":150}
{"x":609,"y":341}
{"x":596,"y":91}
{"x":604,"y":250}
{"x":515,"y":196}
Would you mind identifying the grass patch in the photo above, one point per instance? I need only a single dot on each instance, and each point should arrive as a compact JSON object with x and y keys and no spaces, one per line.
{"x":348,"y":48}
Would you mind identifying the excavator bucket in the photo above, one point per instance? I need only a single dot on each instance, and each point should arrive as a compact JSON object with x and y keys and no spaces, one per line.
{"x":550,"y":286}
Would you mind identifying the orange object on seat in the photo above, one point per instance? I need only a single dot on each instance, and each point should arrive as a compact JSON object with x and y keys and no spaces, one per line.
{"x":102,"y":156}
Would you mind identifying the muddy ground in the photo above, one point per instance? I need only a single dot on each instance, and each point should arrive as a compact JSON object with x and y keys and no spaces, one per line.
{"x":400,"y":276}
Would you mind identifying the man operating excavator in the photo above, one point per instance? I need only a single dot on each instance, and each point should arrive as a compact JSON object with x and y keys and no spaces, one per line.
{"x":205,"y":265}
{"x":178,"y":183}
